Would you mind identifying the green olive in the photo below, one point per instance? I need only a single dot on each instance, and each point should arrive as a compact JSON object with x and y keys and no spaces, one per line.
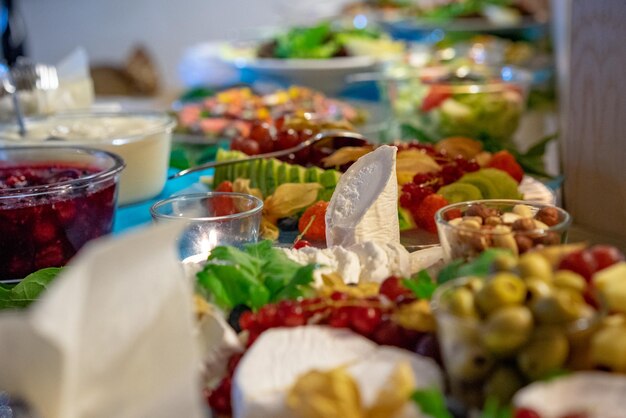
{"x":608,"y":348}
{"x":461,"y":303}
{"x":569,"y":280}
{"x":474,"y":284}
{"x":469,"y":362}
{"x":535,"y":265}
{"x":505,"y":262}
{"x":537,"y":289}
{"x":546,"y":352}
{"x":504,"y":289}
{"x":502,"y":384}
{"x":563,"y":305}
{"x":507,"y":329}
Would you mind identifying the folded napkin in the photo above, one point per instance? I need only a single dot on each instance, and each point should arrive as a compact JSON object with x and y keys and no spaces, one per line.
{"x":112,"y":337}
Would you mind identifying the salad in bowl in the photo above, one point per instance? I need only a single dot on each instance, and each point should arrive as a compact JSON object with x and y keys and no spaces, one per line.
{"x":463,"y":100}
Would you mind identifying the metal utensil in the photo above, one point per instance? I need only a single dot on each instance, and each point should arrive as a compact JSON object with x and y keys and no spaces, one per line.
{"x":9,"y":86}
{"x":304,"y":144}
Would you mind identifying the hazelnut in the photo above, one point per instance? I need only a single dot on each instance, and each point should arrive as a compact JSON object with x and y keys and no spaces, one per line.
{"x":549,"y":238}
{"x":481,"y":210}
{"x":479,"y":242}
{"x":493,"y":221}
{"x":524,"y":243}
{"x":523,"y":224}
{"x":548,"y":215}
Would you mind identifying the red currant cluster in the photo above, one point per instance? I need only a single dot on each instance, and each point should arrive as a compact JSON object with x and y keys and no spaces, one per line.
{"x":419,"y":196}
{"x":367,"y":316}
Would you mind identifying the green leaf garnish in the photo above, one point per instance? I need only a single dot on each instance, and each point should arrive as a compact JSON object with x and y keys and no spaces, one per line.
{"x":431,"y":402}
{"x":254,"y":276}
{"x":422,"y":285}
{"x":28,"y":290}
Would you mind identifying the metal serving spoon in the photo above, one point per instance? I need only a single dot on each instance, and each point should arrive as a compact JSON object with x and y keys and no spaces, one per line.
{"x":280,"y":153}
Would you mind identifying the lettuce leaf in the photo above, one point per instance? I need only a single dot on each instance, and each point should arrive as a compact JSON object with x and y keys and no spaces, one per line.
{"x":253,"y":276}
{"x":28,"y":290}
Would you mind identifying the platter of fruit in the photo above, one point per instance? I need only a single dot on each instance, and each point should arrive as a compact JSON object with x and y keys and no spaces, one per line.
{"x":255,"y":121}
{"x":427,"y":178}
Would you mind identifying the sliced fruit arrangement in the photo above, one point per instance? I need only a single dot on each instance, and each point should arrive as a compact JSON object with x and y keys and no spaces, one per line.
{"x":234,"y":112}
{"x":267,"y":175}
{"x":455,"y":170}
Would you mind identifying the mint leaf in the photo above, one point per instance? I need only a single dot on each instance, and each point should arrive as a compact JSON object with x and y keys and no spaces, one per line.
{"x":431,"y":402}
{"x":493,"y":409}
{"x":481,"y":266}
{"x":28,"y":290}
{"x":422,"y":285}
{"x":257,"y":275}
{"x":450,"y":271}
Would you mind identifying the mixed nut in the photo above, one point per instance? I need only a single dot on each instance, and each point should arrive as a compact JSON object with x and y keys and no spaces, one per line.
{"x":516,"y":227}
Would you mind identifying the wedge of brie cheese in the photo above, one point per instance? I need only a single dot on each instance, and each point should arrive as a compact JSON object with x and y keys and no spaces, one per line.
{"x":590,"y":394}
{"x":364,"y":206}
{"x":281,"y":355}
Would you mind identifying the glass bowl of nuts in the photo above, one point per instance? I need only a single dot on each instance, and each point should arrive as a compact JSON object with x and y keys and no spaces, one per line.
{"x":468,"y":228}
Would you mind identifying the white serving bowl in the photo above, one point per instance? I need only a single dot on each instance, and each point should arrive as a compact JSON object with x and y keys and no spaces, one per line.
{"x":142,"y":139}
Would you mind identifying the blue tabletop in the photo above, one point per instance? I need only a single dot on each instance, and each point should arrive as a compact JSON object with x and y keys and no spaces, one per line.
{"x":134,"y":215}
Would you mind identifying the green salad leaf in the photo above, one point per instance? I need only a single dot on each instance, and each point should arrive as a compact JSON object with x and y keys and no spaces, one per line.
{"x":494,"y":409}
{"x":465,"y":8}
{"x":316,"y":42}
{"x":254,"y":276}
{"x":28,"y":290}
{"x":480,"y":266}
{"x":431,"y":402}
{"x":422,"y":285}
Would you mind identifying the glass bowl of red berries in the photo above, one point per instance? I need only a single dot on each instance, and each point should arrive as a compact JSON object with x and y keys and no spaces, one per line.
{"x":53,"y":200}
{"x":468,"y":228}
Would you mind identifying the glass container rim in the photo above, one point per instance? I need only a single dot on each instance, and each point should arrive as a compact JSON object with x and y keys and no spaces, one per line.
{"x":166,"y":123}
{"x":154,"y":209}
{"x":560,"y":227}
{"x":117,"y":165}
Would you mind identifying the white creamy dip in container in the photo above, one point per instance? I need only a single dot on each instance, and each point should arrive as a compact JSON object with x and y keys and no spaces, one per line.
{"x":142,"y":139}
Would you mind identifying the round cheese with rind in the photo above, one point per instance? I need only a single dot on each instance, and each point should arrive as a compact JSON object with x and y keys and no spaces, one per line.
{"x":276,"y":360}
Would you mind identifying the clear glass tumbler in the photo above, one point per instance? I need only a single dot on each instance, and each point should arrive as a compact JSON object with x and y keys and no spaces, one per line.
{"x":212,"y":219}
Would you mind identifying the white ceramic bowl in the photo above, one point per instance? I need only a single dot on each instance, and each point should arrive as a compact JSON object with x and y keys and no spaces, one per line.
{"x":142,"y":139}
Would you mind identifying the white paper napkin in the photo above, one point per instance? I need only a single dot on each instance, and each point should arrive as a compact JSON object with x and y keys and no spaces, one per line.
{"x":112,"y":337}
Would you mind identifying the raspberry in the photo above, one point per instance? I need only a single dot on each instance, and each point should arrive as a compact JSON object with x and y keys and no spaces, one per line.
{"x":301,"y":244}
{"x":425,"y":213}
{"x":505,"y":161}
{"x":316,"y":231}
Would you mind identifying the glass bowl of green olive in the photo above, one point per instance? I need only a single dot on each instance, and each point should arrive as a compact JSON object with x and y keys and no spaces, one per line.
{"x":468,"y":228}
{"x":523,"y":323}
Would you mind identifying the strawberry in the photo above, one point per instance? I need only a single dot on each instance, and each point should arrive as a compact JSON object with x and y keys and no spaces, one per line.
{"x":425,"y":213}
{"x":436,"y":95}
{"x":312,"y":223}
{"x":505,"y":161}
{"x":224,"y":205}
